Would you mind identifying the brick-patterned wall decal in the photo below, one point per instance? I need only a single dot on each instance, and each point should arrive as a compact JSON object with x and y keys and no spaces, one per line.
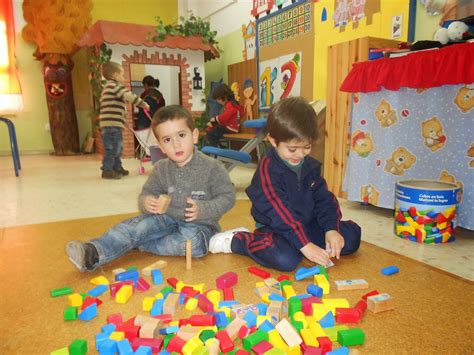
{"x":153,"y":58}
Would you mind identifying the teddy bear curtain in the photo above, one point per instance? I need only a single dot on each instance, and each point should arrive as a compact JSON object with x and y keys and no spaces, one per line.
{"x":422,"y":133}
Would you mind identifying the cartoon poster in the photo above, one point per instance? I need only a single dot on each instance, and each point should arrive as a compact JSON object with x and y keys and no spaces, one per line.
{"x":279,"y":78}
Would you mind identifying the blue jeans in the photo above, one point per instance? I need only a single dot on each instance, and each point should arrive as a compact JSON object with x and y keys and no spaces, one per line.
{"x":153,"y":233}
{"x":113,"y":146}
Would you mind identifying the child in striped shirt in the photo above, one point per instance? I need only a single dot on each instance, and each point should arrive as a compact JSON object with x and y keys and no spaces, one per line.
{"x":112,"y":119}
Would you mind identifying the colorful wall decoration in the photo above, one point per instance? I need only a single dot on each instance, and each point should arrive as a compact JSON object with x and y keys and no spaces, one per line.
{"x":287,"y":24}
{"x":279,"y":78}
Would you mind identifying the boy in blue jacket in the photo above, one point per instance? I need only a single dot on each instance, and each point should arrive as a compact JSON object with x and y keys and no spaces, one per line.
{"x":295,"y":213}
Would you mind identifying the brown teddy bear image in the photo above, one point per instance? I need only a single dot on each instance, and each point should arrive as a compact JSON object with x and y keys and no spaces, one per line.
{"x":369,"y":194}
{"x":385,"y":114}
{"x":432,"y":132}
{"x":470,"y":154}
{"x":400,"y":160}
{"x":465,"y":99}
{"x":362,"y":143}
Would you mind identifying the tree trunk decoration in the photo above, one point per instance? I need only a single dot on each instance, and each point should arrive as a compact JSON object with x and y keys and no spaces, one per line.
{"x":62,"y":111}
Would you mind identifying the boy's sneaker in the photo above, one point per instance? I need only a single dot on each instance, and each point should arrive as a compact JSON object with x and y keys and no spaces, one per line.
{"x":111,"y":175}
{"x":123,"y":171}
{"x":83,"y":255}
{"x":221,"y":242}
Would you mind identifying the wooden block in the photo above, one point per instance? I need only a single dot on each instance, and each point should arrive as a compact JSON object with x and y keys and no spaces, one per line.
{"x":169,"y":307}
{"x":274,"y":310}
{"x":234,"y":327}
{"x":163,"y":203}
{"x":188,"y":254}
{"x":149,"y":330}
{"x":140,"y":320}
{"x":188,"y":331}
{"x":160,"y":264}
{"x":118,"y":271}
{"x":288,"y":333}
{"x":357,"y":284}
{"x":380,"y":303}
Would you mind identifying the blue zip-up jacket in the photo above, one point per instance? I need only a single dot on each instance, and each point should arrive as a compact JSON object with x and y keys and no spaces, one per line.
{"x":288,"y":206}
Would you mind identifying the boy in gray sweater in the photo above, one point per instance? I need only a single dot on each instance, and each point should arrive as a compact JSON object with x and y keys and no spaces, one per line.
{"x":200,"y":190}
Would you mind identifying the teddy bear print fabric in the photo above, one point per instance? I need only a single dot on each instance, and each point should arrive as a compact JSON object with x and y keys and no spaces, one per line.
{"x":412,"y":134}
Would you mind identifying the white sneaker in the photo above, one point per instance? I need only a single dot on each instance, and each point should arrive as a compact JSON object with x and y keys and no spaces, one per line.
{"x":220,"y":242}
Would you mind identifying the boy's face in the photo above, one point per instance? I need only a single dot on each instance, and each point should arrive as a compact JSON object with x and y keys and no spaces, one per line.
{"x":293,"y":152}
{"x":177,"y":140}
{"x":118,"y":76}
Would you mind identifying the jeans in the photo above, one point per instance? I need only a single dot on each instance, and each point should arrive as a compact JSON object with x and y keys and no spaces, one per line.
{"x":215,"y":134}
{"x":153,"y":233}
{"x":113,"y":146}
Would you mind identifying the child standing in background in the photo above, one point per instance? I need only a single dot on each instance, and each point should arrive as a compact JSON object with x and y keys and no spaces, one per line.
{"x":200,"y":190}
{"x":227,"y":121}
{"x":112,"y":119}
{"x":295,"y":213}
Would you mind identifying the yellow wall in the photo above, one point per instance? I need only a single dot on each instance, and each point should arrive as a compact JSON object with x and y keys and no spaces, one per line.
{"x":32,"y":121}
{"x":426,"y":25}
{"x":326,"y":34}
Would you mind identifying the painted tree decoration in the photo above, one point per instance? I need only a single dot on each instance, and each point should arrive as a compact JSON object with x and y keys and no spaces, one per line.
{"x":55,"y":26}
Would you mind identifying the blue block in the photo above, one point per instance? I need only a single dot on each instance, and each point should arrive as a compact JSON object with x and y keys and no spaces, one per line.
{"x":302,"y":296}
{"x":127,"y":275}
{"x":157,"y":309}
{"x":390,"y":270}
{"x":99,"y":339}
{"x":276,"y":297}
{"x":340,"y":351}
{"x":227,"y":304}
{"x":221,"y":319}
{"x":262,"y":309}
{"x":327,"y":321}
{"x":143,"y":350}
{"x":108,"y":347}
{"x":182,"y":298}
{"x":97,"y":291}
{"x":157,"y":276}
{"x":108,"y":328}
{"x":303,"y":272}
{"x":89,"y":312}
{"x":124,"y":347}
{"x":315,"y":290}
{"x":164,"y":352}
{"x":250,"y":318}
{"x":266,"y":326}
{"x":169,"y":330}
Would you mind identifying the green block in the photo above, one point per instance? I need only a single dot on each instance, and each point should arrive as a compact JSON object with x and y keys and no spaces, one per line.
{"x":233,"y":351}
{"x":132,"y":268}
{"x":253,"y":339}
{"x":62,"y":351}
{"x":323,"y":271}
{"x":83,"y":295}
{"x":294,"y":305}
{"x":61,"y":291}
{"x":285,"y":282}
{"x":332,"y":331}
{"x":165,"y":290}
{"x":70,"y":313}
{"x":349,"y":337}
{"x":297,"y":325}
{"x":429,"y":240}
{"x":207,"y":334}
{"x":78,"y":347}
{"x":167,"y":339}
{"x":275,"y":351}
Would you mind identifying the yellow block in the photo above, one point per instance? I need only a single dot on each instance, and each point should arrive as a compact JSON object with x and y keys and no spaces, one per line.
{"x":322,"y":282}
{"x":446,"y":237}
{"x":448,"y":211}
{"x":209,"y":327}
{"x":442,"y":226}
{"x":100,"y":280}
{"x":75,"y":300}
{"x":309,"y":338}
{"x":214,"y":296}
{"x":333,"y":303}
{"x":331,"y":333}
{"x":191,"y":304}
{"x":261,"y":319}
{"x":319,"y":310}
{"x":192,"y":345}
{"x":294,"y":350}
{"x":159,"y":296}
{"x":124,"y":294}
{"x":276,"y":340}
{"x":180,"y":285}
{"x":226,"y":310}
{"x":147,"y":303}
{"x":173,"y":323}
{"x":301,"y":317}
{"x":408,"y":229}
{"x":288,"y":291}
{"x":117,"y":336}
{"x":315,"y":327}
{"x":412,"y":223}
{"x":259,"y":284}
{"x":199,"y":287}
{"x":265,"y":298}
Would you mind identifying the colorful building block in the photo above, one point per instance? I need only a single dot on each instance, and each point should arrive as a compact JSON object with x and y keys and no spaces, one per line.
{"x":357,"y":284}
{"x":253,"y":339}
{"x":229,"y":279}
{"x":88,"y":313}
{"x":380,"y":303}
{"x":322,"y":282}
{"x":350,"y":337}
{"x":258,"y":272}
{"x":78,"y":347}
{"x":288,"y":333}
{"x":303,"y":272}
{"x":390,"y":270}
{"x":100,"y":280}
{"x":124,"y":294}
{"x":61,"y":291}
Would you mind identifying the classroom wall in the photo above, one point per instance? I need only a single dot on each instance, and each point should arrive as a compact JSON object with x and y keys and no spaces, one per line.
{"x":32,"y":123}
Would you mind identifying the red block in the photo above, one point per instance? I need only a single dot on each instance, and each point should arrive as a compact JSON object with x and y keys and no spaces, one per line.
{"x":347,"y":315}
{"x":424,"y":220}
{"x":204,"y":304}
{"x":165,"y":318}
{"x":142,"y":285}
{"x":259,"y":272}
{"x":412,"y":211}
{"x":115,"y":319}
{"x":243,"y":332}
{"x":361,"y":306}
{"x":262,"y":347}
{"x":242,"y":352}
{"x":228,"y":294}
{"x":312,"y":350}
{"x":131,"y":332}
{"x":90,"y":300}
{"x":401,"y":217}
{"x":306,"y":305}
{"x":202,"y":320}
{"x":172,"y":281}
{"x":371,"y":293}
{"x":115,"y":287}
{"x":226,"y":280}
{"x":176,"y":344}
{"x":225,"y":342}
{"x":129,"y":322}
{"x":325,"y":344}
{"x":282,"y":277}
{"x":154,"y":344}
{"x":189,"y":291}
{"x":440,"y":218}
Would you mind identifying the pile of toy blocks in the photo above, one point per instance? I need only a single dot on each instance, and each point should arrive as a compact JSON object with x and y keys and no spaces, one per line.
{"x":283,"y":322}
{"x":425,"y":226}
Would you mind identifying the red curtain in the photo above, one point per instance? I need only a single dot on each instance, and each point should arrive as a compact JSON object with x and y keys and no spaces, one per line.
{"x":446,"y":66}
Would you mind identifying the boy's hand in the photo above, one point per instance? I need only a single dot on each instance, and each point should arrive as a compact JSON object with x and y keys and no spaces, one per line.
{"x":191,"y":212}
{"x":334,"y":243}
{"x":146,"y":107}
{"x":150,"y":203}
{"x":315,"y":254}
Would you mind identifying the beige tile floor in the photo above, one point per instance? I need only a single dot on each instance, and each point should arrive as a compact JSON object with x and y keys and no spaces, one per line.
{"x":65,"y":188}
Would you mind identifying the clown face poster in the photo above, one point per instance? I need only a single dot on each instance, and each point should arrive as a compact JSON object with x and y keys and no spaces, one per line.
{"x":279,"y":78}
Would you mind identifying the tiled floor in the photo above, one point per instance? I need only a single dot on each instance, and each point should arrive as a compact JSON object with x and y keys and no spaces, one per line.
{"x":66,"y":188}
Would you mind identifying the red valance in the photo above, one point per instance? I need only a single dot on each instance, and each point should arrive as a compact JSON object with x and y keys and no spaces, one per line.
{"x":449,"y":65}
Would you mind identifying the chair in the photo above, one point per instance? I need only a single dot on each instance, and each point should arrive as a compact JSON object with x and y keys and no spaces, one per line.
{"x":231,"y":157}
{"x":13,"y":144}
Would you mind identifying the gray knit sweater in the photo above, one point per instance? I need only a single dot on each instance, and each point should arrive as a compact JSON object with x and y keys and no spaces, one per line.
{"x":204,"y":179}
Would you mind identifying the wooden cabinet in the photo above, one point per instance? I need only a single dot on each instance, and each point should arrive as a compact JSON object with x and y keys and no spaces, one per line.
{"x":341,"y":56}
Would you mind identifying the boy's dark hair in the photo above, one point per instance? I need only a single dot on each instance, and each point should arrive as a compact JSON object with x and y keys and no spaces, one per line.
{"x":169,"y":113}
{"x":292,"y":118}
{"x":223,"y":92}
{"x":110,"y":68}
{"x":149,"y":81}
